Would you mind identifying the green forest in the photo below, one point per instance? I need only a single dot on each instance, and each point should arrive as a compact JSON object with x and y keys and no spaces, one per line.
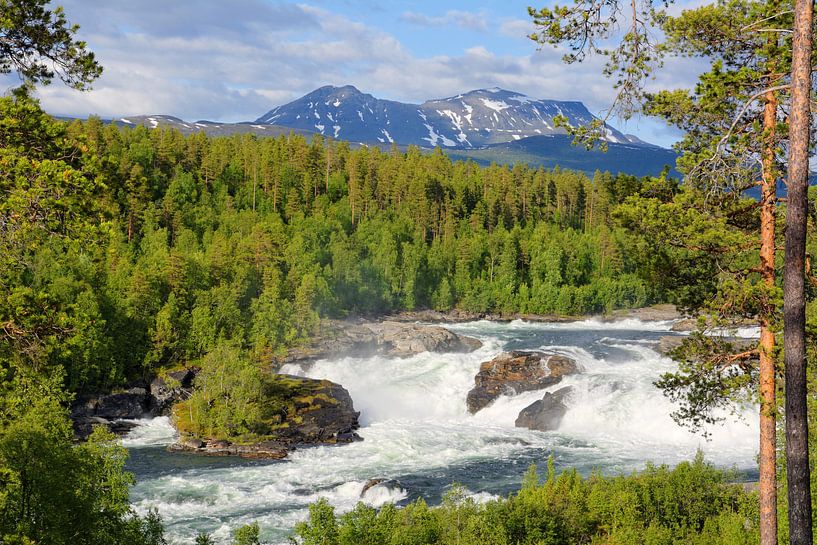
{"x":168,"y":251}
{"x":172,"y":246}
{"x":126,"y":253}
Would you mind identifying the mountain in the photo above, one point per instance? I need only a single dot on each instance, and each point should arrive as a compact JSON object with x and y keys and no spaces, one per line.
{"x":486,"y":125}
{"x":213,"y":128}
{"x":467,"y":121}
{"x":558,"y":150}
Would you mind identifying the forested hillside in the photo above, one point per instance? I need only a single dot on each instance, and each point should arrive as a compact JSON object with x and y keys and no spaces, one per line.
{"x":193,"y":242}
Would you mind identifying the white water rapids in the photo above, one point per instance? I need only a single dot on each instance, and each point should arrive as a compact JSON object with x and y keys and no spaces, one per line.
{"x":419,"y":437}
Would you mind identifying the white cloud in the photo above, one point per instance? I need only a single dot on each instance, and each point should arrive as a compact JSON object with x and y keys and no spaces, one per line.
{"x":517,"y":28}
{"x":463,"y":19}
{"x":239,"y":73}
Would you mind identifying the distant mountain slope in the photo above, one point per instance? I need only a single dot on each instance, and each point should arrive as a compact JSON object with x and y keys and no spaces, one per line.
{"x":558,"y":150}
{"x":467,"y":121}
{"x":486,"y":125}
{"x":211,"y":128}
{"x":344,"y":113}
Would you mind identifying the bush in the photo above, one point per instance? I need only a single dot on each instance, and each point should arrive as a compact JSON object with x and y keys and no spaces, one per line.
{"x":694,"y":503}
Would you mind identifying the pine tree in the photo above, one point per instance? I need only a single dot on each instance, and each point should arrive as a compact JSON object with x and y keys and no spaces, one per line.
{"x":722,"y":124}
{"x":794,"y":297}
{"x":38,"y":43}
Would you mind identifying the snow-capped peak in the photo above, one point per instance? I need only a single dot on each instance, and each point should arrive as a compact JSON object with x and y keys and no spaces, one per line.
{"x":466,"y":120}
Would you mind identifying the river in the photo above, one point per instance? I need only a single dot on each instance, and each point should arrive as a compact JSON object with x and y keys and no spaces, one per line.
{"x":419,"y":437}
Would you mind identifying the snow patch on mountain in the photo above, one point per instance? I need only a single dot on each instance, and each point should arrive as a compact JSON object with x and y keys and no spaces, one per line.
{"x":495,"y":105}
{"x":467,"y":120}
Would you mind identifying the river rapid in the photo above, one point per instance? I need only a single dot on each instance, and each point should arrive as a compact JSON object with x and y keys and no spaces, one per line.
{"x":419,"y":437}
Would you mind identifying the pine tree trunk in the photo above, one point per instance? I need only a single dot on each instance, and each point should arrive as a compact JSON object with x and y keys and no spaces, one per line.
{"x":768,"y":438}
{"x":794,"y":315}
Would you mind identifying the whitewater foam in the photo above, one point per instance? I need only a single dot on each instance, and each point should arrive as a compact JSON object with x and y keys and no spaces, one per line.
{"x":419,"y":437}
{"x":150,"y":432}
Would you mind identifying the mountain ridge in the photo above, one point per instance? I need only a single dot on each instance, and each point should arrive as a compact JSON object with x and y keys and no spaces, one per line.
{"x":484,"y":125}
{"x":469,"y":120}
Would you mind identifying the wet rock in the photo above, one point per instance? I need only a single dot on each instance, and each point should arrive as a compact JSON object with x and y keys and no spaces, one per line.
{"x":122,"y":427}
{"x":84,"y":425}
{"x":388,"y":338}
{"x":109,"y":410}
{"x":325,"y":415}
{"x":369,"y":484}
{"x":269,"y":450}
{"x":347,"y":437}
{"x":171,"y":388}
{"x":547,"y":413}
{"x":516,"y":372}
{"x":131,"y":404}
{"x":305,"y":412}
{"x":668,"y":343}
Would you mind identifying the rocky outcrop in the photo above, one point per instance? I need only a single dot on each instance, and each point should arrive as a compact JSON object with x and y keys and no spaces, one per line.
{"x":662,"y":312}
{"x":545,"y":414}
{"x":129,"y":404}
{"x":325,"y":414}
{"x":668,"y":343}
{"x":169,"y":388}
{"x":301,"y":412}
{"x":111,"y":410}
{"x":118,"y":411}
{"x":515,"y":372}
{"x":400,"y":340}
{"x":389,"y":338}
{"x":685,"y":325}
{"x":268,"y":450}
{"x":264,"y":450}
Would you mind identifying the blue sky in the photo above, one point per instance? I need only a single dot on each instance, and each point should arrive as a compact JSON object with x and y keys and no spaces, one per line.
{"x":233,"y":61}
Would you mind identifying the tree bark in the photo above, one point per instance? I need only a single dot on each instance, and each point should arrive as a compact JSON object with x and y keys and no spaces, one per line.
{"x":794,"y":315}
{"x":768,"y":436}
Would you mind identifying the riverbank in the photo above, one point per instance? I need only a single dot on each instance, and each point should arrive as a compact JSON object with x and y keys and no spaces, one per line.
{"x":660,"y":312}
{"x":402,"y":334}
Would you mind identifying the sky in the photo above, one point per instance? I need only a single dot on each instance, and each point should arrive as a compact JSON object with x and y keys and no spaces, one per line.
{"x":235,"y":60}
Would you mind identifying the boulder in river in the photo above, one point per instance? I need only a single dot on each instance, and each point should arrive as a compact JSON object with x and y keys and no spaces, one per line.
{"x":324,"y":414}
{"x":516,"y":372}
{"x":371,"y":483}
{"x":668,"y":343}
{"x":296,"y":411}
{"x":388,"y":338}
{"x":545,"y":414}
{"x":268,"y":450}
{"x":400,"y":340}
